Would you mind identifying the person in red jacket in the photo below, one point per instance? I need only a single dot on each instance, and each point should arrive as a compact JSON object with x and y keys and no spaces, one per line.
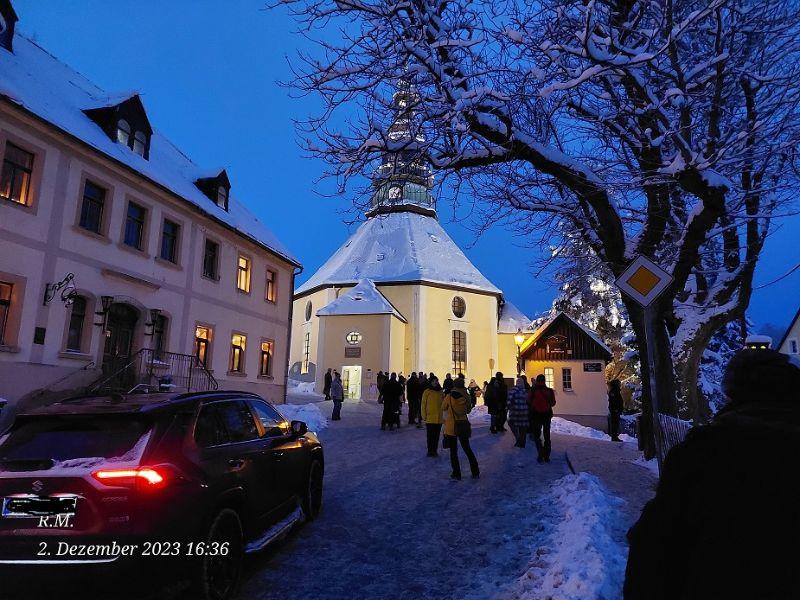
{"x":541,"y":401}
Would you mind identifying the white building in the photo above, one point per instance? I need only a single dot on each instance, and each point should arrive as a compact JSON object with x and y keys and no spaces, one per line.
{"x":166,"y":275}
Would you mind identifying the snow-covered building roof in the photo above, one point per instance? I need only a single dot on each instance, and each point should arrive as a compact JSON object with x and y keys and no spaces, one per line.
{"x":363,"y":299}
{"x":512,"y":319}
{"x":40,"y":84}
{"x":399,"y":247}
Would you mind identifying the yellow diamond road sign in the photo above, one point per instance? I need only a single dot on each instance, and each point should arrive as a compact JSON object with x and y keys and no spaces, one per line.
{"x":643,"y":280}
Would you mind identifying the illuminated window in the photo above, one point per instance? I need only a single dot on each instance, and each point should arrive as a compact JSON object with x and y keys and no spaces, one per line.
{"x":139,"y":143}
{"x":5,"y":307}
{"x":15,"y":181}
{"x":76,"y":319}
{"x":123,"y":132}
{"x":202,"y":339}
{"x":265,"y":363}
{"x":306,"y":352}
{"x":354,"y":338}
{"x":549,"y":377}
{"x":243,"y":274}
{"x":238,"y":344}
{"x":272,"y":291}
{"x":459,"y":351}
{"x":566,"y":379}
{"x":459,"y":307}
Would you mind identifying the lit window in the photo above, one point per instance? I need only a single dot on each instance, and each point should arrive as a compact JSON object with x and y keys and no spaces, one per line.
{"x":76,"y":319}
{"x":140,"y":143}
{"x":238,"y":343}
{"x":308,"y":311}
{"x":549,"y":377}
{"x":306,"y":352}
{"x":123,"y":132}
{"x":566,"y":379}
{"x":5,"y":308}
{"x":15,"y":181}
{"x":202,"y":338}
{"x":94,"y":199}
{"x":265,"y":364}
{"x":354,"y":338}
{"x":459,"y":351}
{"x":169,"y":241}
{"x":459,"y":307}
{"x":210,"y":260}
{"x":134,"y":225}
{"x":272,"y":291}
{"x":222,"y":197}
{"x":243,"y":274}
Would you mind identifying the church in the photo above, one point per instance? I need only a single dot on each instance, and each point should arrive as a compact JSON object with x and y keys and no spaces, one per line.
{"x":400,"y":295}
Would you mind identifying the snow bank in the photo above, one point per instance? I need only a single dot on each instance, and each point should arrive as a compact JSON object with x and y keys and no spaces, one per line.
{"x":301,"y":387}
{"x":308,"y":413}
{"x":480,"y":415}
{"x":564,"y":427}
{"x":651,"y":465}
{"x":582,"y":556}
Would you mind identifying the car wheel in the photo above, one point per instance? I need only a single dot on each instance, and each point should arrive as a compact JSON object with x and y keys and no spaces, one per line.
{"x":219,"y":574}
{"x":312,"y":499}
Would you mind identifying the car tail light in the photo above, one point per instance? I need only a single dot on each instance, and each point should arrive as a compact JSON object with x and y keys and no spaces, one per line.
{"x":139,"y":477}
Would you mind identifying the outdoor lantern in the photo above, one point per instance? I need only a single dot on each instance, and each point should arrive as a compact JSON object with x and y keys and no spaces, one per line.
{"x":519,"y":337}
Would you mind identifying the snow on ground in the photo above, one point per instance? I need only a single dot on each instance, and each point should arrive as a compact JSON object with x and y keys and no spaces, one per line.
{"x":651,"y":465}
{"x":562,"y":426}
{"x":308,"y":413}
{"x":480,"y":415}
{"x":582,"y":555}
{"x":301,"y":387}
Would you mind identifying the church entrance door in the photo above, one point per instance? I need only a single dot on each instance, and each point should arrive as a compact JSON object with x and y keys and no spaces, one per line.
{"x":351,"y":380}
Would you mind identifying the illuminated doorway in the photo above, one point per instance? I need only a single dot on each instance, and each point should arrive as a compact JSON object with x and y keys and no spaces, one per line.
{"x":351,"y":380}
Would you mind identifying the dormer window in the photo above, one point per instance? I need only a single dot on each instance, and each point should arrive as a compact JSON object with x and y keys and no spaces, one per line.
{"x":140,"y":143}
{"x":123,"y":132}
{"x":222,"y":197}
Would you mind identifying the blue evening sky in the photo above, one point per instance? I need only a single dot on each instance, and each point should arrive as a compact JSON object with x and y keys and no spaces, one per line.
{"x":208,"y":73}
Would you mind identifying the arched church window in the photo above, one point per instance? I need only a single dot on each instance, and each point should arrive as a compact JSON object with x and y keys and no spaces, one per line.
{"x":308,"y":311}
{"x":354,"y":338}
{"x":459,"y":307}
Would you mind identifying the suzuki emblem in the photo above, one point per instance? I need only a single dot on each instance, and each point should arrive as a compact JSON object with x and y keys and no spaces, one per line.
{"x":37,"y":486}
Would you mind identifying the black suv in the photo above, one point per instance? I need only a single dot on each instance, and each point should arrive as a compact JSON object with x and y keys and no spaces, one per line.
{"x":199,"y":479}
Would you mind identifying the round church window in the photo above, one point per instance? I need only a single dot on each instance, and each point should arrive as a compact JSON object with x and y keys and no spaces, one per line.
{"x":354,"y":338}
{"x":308,"y":311}
{"x":459,"y":307}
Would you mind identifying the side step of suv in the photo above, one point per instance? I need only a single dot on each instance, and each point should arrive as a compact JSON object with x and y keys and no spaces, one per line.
{"x":277,"y":531}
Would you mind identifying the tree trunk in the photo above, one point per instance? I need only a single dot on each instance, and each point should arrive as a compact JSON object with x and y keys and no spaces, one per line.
{"x":663,"y":368}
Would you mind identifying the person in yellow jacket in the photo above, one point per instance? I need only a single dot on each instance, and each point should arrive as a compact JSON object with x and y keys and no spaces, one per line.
{"x":432,"y":413}
{"x":457,"y":429}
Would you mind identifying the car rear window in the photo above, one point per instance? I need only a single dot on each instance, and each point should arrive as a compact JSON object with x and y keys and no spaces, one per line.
{"x":70,"y":440}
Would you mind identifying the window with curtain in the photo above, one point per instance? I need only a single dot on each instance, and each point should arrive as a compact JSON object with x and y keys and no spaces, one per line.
{"x":238,"y":344}
{"x":202,"y":339}
{"x":272,"y":291}
{"x":77,"y":318}
{"x":15,"y":180}
{"x":243,"y":274}
{"x":566,"y":378}
{"x":549,"y":377}
{"x":265,"y":364}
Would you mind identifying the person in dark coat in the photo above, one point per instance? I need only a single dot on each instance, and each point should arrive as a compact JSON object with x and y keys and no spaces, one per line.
{"x":448,"y":383}
{"x":724,"y":522}
{"x":326,"y":388}
{"x":337,"y":394}
{"x":518,"y":410}
{"x":542,"y":399}
{"x":414,"y":395}
{"x":500,"y":401}
{"x":489,"y":395}
{"x":615,"y":407}
{"x":392,"y":393}
{"x":380,"y":379}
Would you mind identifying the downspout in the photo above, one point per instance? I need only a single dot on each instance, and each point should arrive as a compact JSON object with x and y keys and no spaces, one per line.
{"x":295,"y":272}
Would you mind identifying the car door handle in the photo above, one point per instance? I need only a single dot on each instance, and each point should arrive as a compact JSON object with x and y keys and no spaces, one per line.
{"x":236,"y":463}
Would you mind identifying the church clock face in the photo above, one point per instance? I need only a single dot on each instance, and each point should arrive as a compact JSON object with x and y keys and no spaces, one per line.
{"x":395,"y":192}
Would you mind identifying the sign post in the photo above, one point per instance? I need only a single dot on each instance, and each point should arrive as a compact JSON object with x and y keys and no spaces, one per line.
{"x":643,"y":281}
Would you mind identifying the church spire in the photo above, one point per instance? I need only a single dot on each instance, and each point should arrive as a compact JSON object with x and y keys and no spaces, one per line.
{"x":404,"y":180}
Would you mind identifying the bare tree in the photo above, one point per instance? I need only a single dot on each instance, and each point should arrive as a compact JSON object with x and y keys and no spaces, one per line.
{"x":658,"y":127}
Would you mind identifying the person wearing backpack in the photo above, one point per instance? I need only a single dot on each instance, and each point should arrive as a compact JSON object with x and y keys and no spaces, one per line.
{"x":457,"y":429}
{"x":541,"y":401}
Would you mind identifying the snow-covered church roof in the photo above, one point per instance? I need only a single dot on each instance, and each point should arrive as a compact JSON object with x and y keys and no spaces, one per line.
{"x":364,"y":299}
{"x":399,"y":247}
{"x":36,"y":81}
{"x":512,"y":320}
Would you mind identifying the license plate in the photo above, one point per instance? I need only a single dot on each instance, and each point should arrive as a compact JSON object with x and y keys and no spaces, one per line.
{"x":29,"y":506}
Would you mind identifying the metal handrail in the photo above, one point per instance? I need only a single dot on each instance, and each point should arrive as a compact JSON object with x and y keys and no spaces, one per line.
{"x":147,"y":365}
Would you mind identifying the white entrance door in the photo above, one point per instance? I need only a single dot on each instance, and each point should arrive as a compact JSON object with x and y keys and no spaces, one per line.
{"x":351,"y":380}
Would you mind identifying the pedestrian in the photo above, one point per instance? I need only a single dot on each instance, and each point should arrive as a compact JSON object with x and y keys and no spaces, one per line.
{"x":424,"y":384}
{"x":392,"y":392}
{"x":614,"y":409}
{"x":500,"y":402}
{"x":380,"y":379}
{"x":724,"y":521}
{"x":518,"y":410}
{"x":474,"y":392}
{"x":542,"y":399}
{"x":414,"y":395}
{"x":337,"y":395}
{"x":432,"y":414}
{"x":326,"y":388}
{"x":457,"y":429}
{"x":402,"y":381}
{"x":489,"y":396}
{"x":448,"y":383}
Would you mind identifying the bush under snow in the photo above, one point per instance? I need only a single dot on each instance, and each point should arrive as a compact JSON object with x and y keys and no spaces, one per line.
{"x":308,"y":413}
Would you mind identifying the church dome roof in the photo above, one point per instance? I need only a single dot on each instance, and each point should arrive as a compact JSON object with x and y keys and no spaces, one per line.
{"x":399,"y":247}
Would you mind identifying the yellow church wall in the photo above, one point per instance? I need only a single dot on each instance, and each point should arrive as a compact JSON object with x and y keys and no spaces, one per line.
{"x":589,"y":394}
{"x":301,"y":326}
{"x":507,"y":354}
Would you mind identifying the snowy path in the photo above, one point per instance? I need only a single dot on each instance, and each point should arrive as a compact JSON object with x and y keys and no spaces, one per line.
{"x":395,"y":526}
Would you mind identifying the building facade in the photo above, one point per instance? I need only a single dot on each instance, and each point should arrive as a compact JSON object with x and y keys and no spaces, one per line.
{"x":790,"y":343}
{"x":116,"y":249}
